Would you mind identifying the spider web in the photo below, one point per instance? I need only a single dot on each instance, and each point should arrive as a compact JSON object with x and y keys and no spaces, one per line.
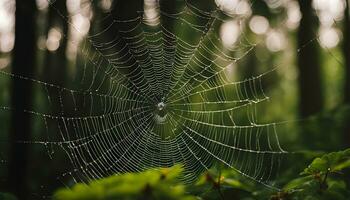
{"x":155,"y":91}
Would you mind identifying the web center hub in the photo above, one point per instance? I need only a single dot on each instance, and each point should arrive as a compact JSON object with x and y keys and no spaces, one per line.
{"x":160,"y":112}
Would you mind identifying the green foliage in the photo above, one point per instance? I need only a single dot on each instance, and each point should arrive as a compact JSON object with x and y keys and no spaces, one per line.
{"x":151,"y":184}
{"x":222,"y":184}
{"x":331,"y":162}
{"x":324,"y":179}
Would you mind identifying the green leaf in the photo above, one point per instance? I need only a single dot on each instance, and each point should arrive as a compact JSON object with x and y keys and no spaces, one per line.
{"x":318,"y":165}
{"x":332,"y":162}
{"x":342,"y":165}
{"x":295,"y":183}
{"x":151,"y":184}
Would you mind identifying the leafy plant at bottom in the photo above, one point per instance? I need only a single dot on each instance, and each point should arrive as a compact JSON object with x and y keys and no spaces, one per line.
{"x":151,"y":184}
{"x":324,"y":179}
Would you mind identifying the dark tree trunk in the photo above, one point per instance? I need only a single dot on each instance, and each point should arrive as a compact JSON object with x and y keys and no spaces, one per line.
{"x":55,"y":72}
{"x":311,"y":99}
{"x":55,"y":68}
{"x":23,"y":64}
{"x":346,"y":52}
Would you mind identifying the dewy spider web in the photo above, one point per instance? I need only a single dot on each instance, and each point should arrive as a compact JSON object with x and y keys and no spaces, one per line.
{"x":155,"y":92}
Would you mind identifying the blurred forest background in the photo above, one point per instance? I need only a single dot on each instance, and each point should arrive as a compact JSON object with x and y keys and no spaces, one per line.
{"x":308,"y":41}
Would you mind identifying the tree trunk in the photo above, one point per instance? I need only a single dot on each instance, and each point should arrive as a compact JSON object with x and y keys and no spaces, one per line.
{"x":55,"y":72}
{"x":346,"y":52}
{"x":55,"y":68}
{"x":23,"y":64}
{"x":311,"y":98}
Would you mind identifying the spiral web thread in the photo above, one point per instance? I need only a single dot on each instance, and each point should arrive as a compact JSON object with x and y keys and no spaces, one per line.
{"x":155,"y":92}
